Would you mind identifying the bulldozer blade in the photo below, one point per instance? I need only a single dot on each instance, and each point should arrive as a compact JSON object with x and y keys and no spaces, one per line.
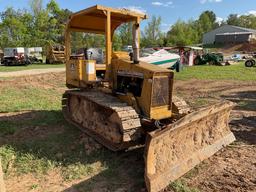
{"x":173,"y":151}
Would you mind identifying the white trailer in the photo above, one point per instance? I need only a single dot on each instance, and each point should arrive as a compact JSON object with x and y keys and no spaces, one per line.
{"x":35,"y":54}
{"x":15,"y":56}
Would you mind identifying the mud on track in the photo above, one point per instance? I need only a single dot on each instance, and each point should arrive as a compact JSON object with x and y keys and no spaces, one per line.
{"x":232,"y":169}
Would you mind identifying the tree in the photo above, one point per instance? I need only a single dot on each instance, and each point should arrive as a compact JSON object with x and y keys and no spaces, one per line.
{"x":13,"y":29}
{"x":57,"y":19}
{"x":248,"y":21}
{"x":191,"y":32}
{"x":182,"y":34}
{"x":36,"y":6}
{"x":211,"y":15}
{"x":233,"y":19}
{"x":125,"y":33}
{"x":153,"y":35}
{"x":117,"y":42}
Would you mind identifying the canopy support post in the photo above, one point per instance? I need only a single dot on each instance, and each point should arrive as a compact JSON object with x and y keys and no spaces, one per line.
{"x":108,"y":40}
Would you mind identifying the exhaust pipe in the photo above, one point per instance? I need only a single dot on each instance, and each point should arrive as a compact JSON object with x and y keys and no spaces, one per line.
{"x":136,"y":42}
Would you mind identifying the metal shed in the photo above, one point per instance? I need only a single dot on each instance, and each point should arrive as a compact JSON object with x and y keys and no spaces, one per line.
{"x":229,"y":34}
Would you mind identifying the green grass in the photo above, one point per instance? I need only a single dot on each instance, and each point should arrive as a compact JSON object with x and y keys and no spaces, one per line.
{"x":29,"y":98}
{"x":40,"y":140}
{"x":180,"y":186}
{"x":33,"y":66}
{"x":76,"y":171}
{"x":206,"y":72}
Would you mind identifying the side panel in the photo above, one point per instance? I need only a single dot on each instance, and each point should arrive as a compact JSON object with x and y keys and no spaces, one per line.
{"x":80,"y":72}
{"x":173,"y":151}
{"x":73,"y":72}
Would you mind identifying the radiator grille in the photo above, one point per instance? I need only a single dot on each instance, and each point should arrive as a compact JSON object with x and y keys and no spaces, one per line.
{"x":160,"y":91}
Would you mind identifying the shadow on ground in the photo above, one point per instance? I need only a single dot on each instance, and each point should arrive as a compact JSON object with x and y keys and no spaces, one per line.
{"x":243,"y":126}
{"x":44,"y":136}
{"x":246,"y":100}
{"x":245,"y":129}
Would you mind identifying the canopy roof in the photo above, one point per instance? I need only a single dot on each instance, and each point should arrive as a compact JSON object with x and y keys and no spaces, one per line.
{"x":93,"y":19}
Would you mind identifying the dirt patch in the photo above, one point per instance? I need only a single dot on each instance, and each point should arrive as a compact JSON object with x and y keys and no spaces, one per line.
{"x":52,"y":181}
{"x":45,"y":81}
{"x":232,"y":169}
{"x":31,"y":72}
{"x":244,"y":47}
{"x":17,"y":116}
{"x":212,"y":91}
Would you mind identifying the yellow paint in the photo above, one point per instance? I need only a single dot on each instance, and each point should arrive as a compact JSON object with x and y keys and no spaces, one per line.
{"x":108,"y":39}
{"x":104,"y":20}
{"x":159,"y":113}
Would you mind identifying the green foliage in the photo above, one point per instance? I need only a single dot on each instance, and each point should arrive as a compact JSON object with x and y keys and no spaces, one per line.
{"x":247,"y":21}
{"x":39,"y":26}
{"x":117,"y":43}
{"x":7,"y":154}
{"x":33,"y":28}
{"x":153,"y":35}
{"x":86,"y":40}
{"x":182,"y":34}
{"x":125,"y":33}
{"x":191,"y":32}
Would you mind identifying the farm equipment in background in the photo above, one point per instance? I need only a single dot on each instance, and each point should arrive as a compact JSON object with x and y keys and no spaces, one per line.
{"x":96,"y":54}
{"x":132,"y":103}
{"x":250,"y":62}
{"x":15,"y":56}
{"x":211,"y":58}
{"x":254,"y":55}
{"x":35,"y":54}
{"x":55,"y":54}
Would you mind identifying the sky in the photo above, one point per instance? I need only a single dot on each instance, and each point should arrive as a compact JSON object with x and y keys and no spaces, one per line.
{"x":169,"y":10}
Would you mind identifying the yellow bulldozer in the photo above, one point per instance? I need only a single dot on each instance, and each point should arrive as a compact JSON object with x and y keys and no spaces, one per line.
{"x":123,"y":103}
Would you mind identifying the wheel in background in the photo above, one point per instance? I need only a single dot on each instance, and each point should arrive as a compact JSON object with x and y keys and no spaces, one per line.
{"x":249,"y":63}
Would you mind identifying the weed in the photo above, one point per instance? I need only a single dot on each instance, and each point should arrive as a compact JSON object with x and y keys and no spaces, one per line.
{"x":76,"y":171}
{"x":29,"y":163}
{"x":34,"y":186}
{"x":7,"y":155}
{"x":180,"y":186}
